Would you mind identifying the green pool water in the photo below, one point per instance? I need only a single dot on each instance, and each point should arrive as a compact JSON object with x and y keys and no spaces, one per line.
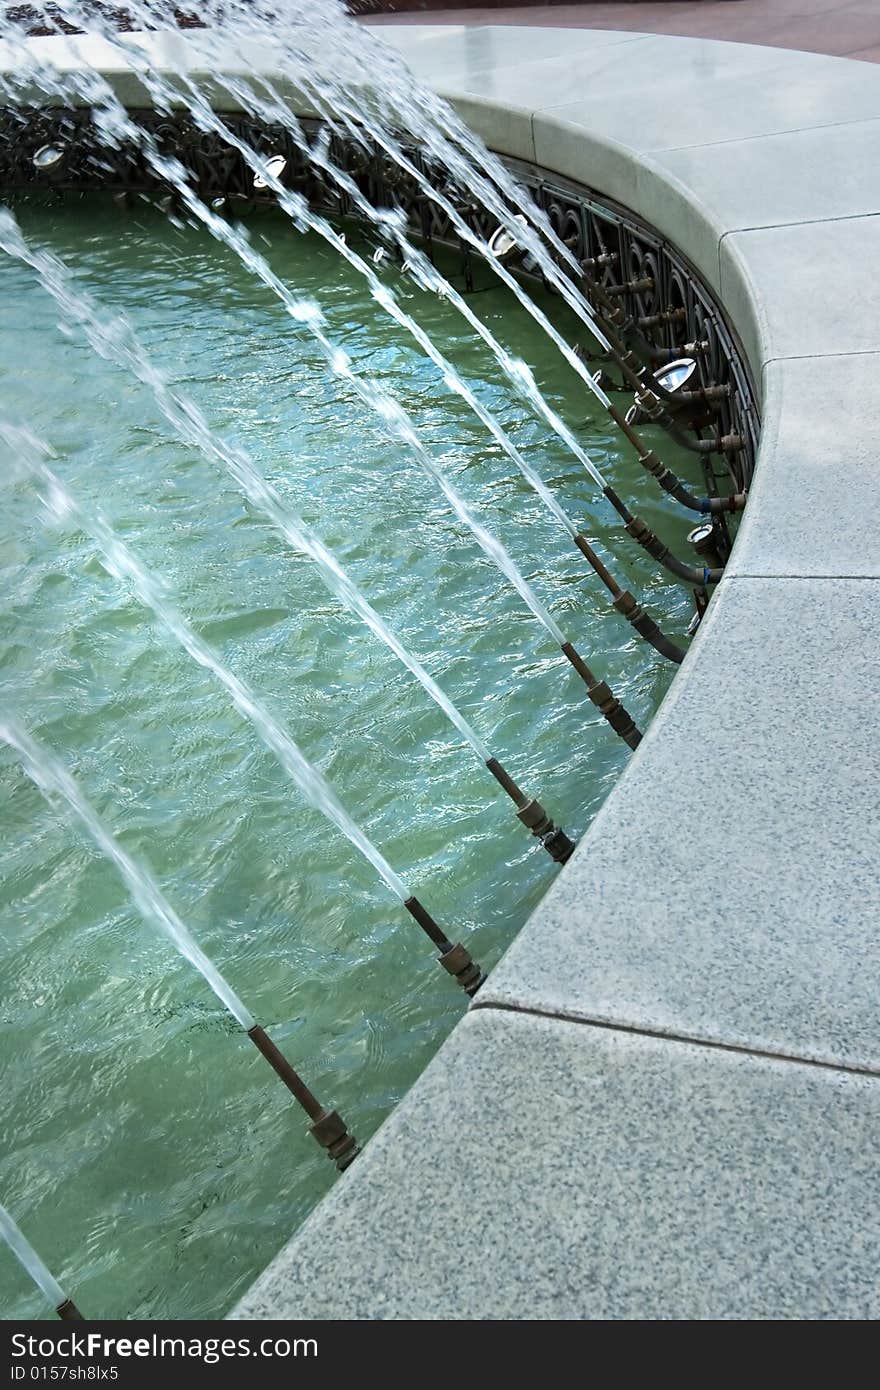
{"x":146,"y":1150}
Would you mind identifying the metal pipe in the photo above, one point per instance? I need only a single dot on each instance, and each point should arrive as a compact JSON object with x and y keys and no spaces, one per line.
{"x":533,"y":816}
{"x":456,"y":960}
{"x":68,"y":1311}
{"x":327,"y":1126}
{"x":650,"y":542}
{"x":604,"y":699}
{"x":626,"y":605}
{"x":651,"y":398}
{"x":668,"y":480}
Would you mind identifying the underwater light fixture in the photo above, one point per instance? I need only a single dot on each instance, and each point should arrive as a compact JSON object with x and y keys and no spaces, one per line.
{"x":48,"y":157}
{"x":503,"y":243}
{"x":669,"y":379}
{"x":705,"y":541}
{"x":673,"y":377}
{"x":700,"y":536}
{"x":274,"y":168}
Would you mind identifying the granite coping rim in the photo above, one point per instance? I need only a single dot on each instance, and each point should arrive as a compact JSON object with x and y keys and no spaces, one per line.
{"x":635,"y":1179}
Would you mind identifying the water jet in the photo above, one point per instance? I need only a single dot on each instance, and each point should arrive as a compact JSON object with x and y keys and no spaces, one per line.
{"x":24,"y":1252}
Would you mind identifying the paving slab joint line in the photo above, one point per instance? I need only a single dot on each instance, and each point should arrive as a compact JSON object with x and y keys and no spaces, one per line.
{"x":686,"y":1039}
{"x":813,"y":578}
{"x":821,"y":356}
{"x":797,"y":222}
{"x":766,"y":135}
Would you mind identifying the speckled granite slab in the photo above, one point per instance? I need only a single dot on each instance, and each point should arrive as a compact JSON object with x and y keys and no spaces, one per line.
{"x":543,"y":1169}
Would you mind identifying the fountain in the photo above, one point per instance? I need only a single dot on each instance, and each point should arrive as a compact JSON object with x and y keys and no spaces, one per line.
{"x":337,"y":248}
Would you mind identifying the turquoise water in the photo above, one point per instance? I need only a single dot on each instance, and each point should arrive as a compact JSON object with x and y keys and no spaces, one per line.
{"x":146,"y":1150}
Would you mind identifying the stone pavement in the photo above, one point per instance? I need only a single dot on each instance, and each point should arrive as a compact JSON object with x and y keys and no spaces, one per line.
{"x":846,"y":28}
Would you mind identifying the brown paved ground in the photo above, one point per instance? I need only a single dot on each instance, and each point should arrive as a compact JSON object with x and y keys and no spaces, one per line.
{"x":848,"y":28}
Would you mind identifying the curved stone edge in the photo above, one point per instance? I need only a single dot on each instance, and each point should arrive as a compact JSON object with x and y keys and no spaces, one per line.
{"x":657,"y":1106}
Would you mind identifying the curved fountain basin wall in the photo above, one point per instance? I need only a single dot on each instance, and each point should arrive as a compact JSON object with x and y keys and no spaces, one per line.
{"x":661,"y":1103}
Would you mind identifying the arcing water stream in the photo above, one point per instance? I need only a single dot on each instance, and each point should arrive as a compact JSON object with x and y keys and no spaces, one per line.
{"x":53,"y":779}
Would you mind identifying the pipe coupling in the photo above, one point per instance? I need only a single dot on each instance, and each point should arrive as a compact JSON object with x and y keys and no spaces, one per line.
{"x":535,"y":818}
{"x":457,"y":961}
{"x":330,"y":1131}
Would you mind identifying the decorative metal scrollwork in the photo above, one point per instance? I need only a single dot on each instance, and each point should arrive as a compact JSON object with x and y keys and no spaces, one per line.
{"x":651,"y":279}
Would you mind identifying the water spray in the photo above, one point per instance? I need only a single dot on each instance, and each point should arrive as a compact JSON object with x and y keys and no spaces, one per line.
{"x":176,"y":174}
{"x":513,"y":229}
{"x":50,"y":775}
{"x":269,"y":176}
{"x":30,"y":1261}
{"x":510,"y":231}
{"x":395,"y":420}
{"x":124,"y":565}
{"x":115,"y":341}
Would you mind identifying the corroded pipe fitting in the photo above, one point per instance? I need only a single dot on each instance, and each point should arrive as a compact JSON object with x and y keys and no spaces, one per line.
{"x":673,"y":485}
{"x":626,"y":605}
{"x":734,"y":503}
{"x":604,"y":699}
{"x":649,"y":404}
{"x":721,"y":444}
{"x":533,"y":816}
{"x":559,"y":846}
{"x":606,"y":258}
{"x":457,"y":961}
{"x":621,"y":721}
{"x":555,"y":841}
{"x":454,"y":959}
{"x":700,"y":394}
{"x":327,"y":1126}
{"x":630,"y":287}
{"x":330,"y":1131}
{"x":667,"y":316}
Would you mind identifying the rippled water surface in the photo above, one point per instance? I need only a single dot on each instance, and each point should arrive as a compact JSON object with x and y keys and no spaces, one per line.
{"x":146,"y":1150}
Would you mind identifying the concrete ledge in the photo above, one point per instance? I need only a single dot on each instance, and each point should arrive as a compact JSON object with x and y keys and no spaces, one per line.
{"x":629,"y":1178}
{"x":731,"y":894}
